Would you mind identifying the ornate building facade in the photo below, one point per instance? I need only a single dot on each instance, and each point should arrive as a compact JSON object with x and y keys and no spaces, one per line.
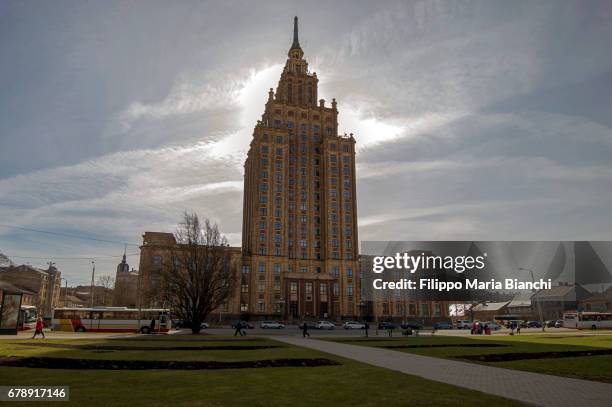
{"x":299,"y":236}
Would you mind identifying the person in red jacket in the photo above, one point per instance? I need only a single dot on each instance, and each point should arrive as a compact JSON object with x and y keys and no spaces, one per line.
{"x":39,"y":328}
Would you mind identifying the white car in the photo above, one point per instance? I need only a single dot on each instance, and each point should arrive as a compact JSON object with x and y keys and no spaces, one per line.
{"x":271,"y":325}
{"x":353,"y":325}
{"x":325,"y":325}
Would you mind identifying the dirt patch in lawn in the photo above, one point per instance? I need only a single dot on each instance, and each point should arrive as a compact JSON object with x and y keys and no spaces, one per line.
{"x":509,"y":357}
{"x":449,"y":345}
{"x":100,"y":364}
{"x":120,"y":347}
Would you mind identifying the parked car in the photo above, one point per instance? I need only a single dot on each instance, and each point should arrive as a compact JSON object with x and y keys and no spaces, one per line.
{"x":271,"y":325}
{"x":353,"y":325}
{"x":325,"y":325}
{"x":534,"y":324}
{"x":180,"y":324}
{"x":411,"y":325}
{"x":386,"y":325}
{"x":443,"y":325}
{"x":464,"y":324}
{"x":550,"y":323}
{"x":559,"y":323}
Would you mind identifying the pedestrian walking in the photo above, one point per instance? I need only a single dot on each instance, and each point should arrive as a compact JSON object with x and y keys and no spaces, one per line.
{"x":518,"y":328}
{"x":238,"y":328}
{"x":305,"y":330}
{"x":152,"y":326}
{"x":366,"y":327}
{"x":38,"y":329}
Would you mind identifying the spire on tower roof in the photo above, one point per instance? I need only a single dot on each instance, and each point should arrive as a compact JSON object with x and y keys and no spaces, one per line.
{"x":296,"y":42}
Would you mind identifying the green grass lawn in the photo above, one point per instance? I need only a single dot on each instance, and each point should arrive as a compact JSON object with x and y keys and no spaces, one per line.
{"x":350,"y":383}
{"x":584,"y":367}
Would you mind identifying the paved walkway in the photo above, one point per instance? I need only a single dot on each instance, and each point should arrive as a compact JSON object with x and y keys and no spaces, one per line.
{"x":534,"y":388}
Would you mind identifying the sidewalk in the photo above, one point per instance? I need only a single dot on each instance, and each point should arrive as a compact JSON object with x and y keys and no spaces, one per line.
{"x":534,"y":388}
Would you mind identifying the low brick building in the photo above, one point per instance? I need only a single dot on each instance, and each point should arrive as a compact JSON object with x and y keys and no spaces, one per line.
{"x":156,"y":254}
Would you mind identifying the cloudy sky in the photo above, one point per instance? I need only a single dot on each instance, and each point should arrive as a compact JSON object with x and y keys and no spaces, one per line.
{"x":474,"y":120}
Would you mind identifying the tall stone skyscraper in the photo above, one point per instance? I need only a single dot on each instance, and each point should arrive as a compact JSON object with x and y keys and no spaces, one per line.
{"x":299,"y":233}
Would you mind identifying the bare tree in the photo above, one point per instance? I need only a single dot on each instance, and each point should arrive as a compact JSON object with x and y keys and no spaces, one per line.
{"x":201,"y":275}
{"x":107,"y":283}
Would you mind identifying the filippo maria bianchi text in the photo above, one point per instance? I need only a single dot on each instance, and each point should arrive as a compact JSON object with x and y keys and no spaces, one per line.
{"x":468,"y":284}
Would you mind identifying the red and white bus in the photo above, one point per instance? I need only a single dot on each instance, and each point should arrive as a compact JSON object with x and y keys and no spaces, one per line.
{"x":587,"y":320}
{"x":110,"y":319}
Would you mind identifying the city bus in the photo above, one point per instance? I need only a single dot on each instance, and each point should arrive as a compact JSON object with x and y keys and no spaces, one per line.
{"x":110,"y":319}
{"x":587,"y":320}
{"x":28,"y":314}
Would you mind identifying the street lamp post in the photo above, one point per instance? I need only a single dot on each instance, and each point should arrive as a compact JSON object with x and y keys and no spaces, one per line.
{"x":538,"y":302}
